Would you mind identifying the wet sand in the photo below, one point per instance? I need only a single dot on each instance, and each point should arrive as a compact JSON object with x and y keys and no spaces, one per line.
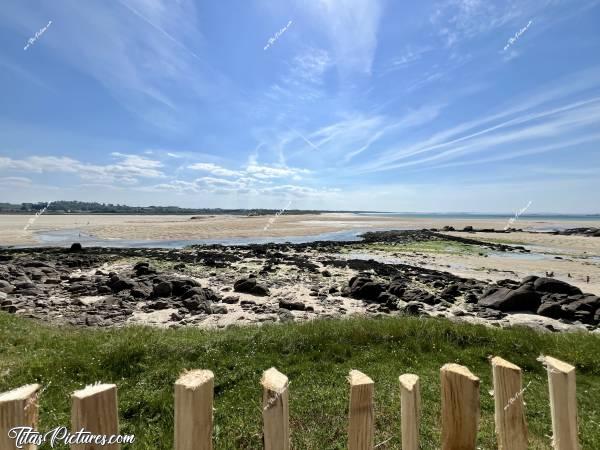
{"x":169,"y":227}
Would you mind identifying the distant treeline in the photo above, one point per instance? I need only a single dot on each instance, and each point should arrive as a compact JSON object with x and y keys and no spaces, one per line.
{"x":74,"y":207}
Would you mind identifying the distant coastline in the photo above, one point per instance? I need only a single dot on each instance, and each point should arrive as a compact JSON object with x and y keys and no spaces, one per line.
{"x":78,"y":208}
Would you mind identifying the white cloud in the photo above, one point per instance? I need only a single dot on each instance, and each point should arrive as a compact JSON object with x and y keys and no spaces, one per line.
{"x":126,"y":171}
{"x":259,"y":171}
{"x":215,"y":169}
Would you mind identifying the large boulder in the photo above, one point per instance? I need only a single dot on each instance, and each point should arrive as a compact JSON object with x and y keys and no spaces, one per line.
{"x":583,"y":309}
{"x":250,"y":286}
{"x":367,"y":291}
{"x":182,"y":285}
{"x":522,"y":299}
{"x":553,"y":286}
{"x":389,"y":300}
{"x":420,"y":296}
{"x":292,"y":305}
{"x":119,"y":283}
{"x":76,"y":247}
{"x":551,"y":309}
{"x":163,"y":289}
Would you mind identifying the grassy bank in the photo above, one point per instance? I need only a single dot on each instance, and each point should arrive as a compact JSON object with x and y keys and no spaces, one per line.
{"x":317,"y":356}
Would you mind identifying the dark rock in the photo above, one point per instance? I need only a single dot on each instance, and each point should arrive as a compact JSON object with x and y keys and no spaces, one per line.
{"x":583,"y":309}
{"x":139,"y":293}
{"x":143,"y":268}
{"x":326,"y":273}
{"x":418,"y":295}
{"x":555,"y":286}
{"x":450,"y":292}
{"x":470,"y":298}
{"x":119,"y":283}
{"x":389,"y":300}
{"x":468,"y":228}
{"x":182,"y":285}
{"x":163,"y":289}
{"x":397,"y":288}
{"x":413,"y":308}
{"x":104,"y":290}
{"x":260,"y":290}
{"x":218,"y":309}
{"x":24,"y":285}
{"x":159,"y":304}
{"x":76,"y":247}
{"x":504,"y":299}
{"x":78,"y":288}
{"x":6,"y":287}
{"x":368,"y":290}
{"x":250,"y":286}
{"x":550,"y":309}
{"x":231,"y":299}
{"x":292,"y":305}
{"x":176,"y":317}
{"x":196,"y":303}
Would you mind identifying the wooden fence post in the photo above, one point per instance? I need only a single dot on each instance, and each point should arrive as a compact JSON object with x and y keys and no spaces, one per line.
{"x":194,"y":391}
{"x":563,"y":403}
{"x":95,"y":409}
{"x":18,"y":408}
{"x":276,"y":421}
{"x":410,"y":406}
{"x":361,"y":424}
{"x":460,"y":407}
{"x":511,"y":426}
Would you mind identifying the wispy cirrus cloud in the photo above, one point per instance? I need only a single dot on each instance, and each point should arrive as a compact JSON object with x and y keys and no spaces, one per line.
{"x":352,"y":27}
{"x":529,"y":129}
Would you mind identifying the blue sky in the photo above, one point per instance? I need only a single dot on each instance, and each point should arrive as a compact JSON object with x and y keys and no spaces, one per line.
{"x":354,"y":104}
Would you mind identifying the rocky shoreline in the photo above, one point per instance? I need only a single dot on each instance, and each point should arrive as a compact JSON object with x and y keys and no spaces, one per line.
{"x":217,"y":286}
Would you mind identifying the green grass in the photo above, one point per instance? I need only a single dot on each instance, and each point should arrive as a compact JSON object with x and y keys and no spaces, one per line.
{"x":316,"y":356}
{"x":432,"y":246}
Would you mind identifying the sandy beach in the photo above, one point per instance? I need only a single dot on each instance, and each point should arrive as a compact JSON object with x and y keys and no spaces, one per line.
{"x":175,"y":227}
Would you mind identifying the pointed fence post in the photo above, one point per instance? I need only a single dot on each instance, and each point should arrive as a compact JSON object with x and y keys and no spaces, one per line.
{"x":410,"y":407}
{"x":95,"y":410}
{"x":460,"y":408}
{"x":563,"y":404}
{"x":361,"y":424}
{"x":276,"y":421}
{"x":511,"y":426}
{"x":194,"y":391}
{"x":18,"y":408}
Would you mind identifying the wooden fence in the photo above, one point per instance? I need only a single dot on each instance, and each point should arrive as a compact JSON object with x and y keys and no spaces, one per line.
{"x":95,"y":409}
